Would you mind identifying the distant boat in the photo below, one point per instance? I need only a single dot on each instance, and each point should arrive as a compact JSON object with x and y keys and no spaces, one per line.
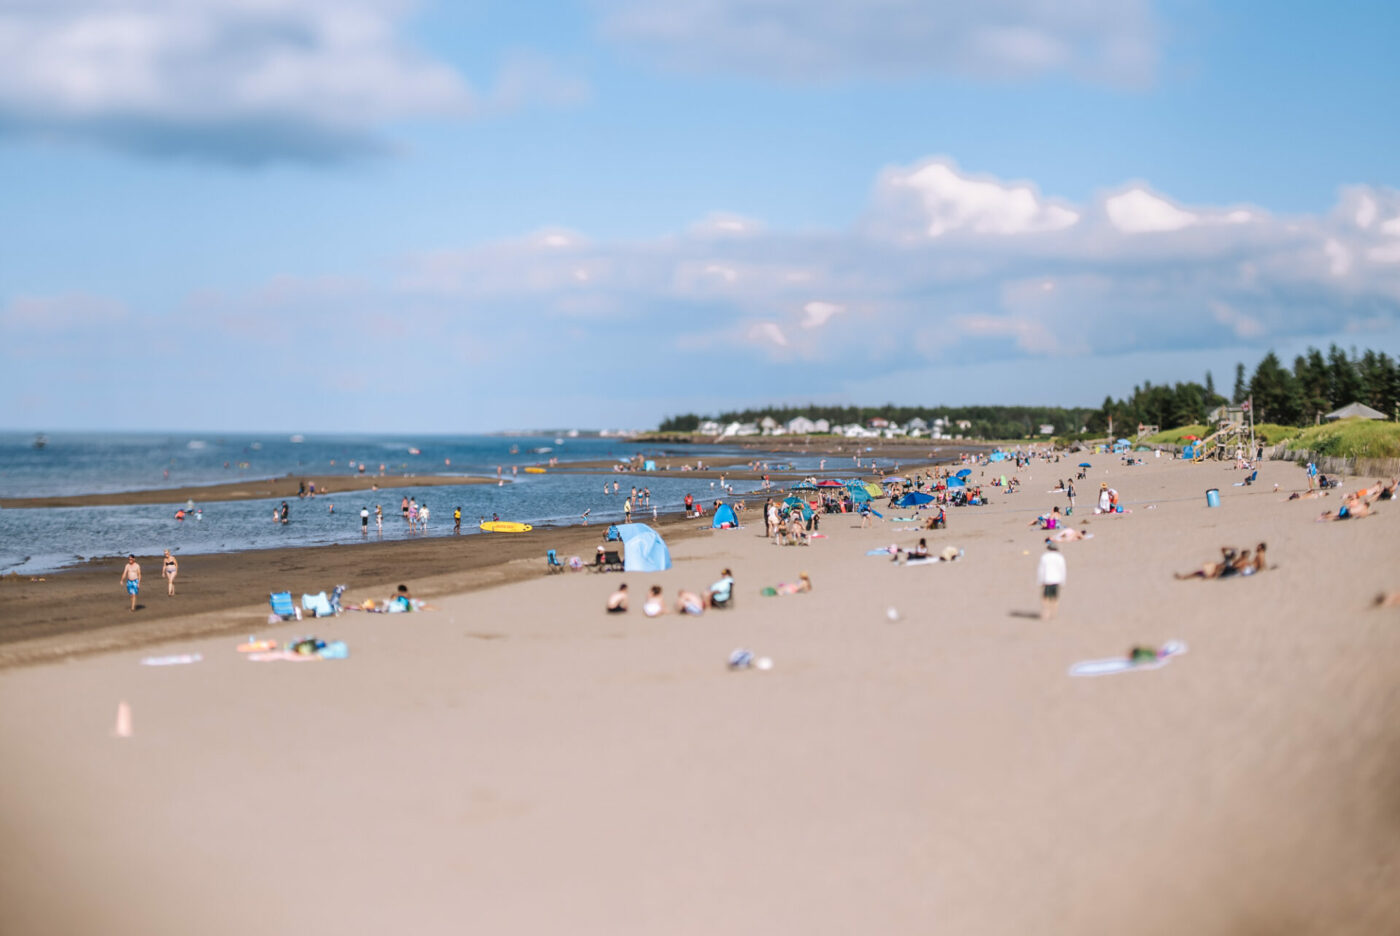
{"x":298,"y":438}
{"x":558,"y":441}
{"x":40,"y":441}
{"x":414,"y":451}
{"x":542,"y":450}
{"x":572,"y":433}
{"x":196,"y":444}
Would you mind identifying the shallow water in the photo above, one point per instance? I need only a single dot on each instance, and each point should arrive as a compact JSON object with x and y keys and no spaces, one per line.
{"x":43,"y":539}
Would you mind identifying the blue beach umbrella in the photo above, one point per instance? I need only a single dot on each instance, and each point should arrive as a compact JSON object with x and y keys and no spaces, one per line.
{"x":914,"y":499}
{"x":1085,"y":465}
{"x":966,"y":472}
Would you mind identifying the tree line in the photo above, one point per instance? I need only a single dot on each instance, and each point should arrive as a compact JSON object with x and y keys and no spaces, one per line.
{"x":1316,"y":384}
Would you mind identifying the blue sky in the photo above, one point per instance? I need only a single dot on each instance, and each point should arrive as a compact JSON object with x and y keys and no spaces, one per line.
{"x":373,"y":214}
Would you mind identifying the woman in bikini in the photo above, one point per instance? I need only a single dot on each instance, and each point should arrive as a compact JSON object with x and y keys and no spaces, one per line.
{"x":169,"y":568}
{"x":654,"y":605}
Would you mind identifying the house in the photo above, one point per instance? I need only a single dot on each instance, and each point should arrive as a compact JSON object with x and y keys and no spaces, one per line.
{"x":801,"y":425}
{"x":964,"y":424}
{"x":1226,"y":414}
{"x":740,"y":429}
{"x":1356,"y":411}
{"x":1047,"y":429}
{"x":821,"y":425}
{"x":709,"y":427}
{"x":916,"y":423}
{"x":878,"y":422}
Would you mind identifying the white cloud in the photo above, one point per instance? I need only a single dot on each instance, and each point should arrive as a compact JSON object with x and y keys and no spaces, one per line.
{"x":816,"y":314}
{"x":723,"y":224}
{"x":1339,"y":258}
{"x":1112,"y":41}
{"x":768,"y":332}
{"x":1137,"y":212}
{"x":237,"y":81}
{"x":947,"y":200}
{"x":1365,"y":211}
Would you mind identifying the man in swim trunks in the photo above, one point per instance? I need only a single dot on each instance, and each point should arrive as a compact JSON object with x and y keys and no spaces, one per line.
{"x":617,"y":601}
{"x":131,"y":578}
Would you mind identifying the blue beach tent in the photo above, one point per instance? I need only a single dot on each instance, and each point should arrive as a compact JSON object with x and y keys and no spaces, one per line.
{"x":859,"y":495}
{"x":725,"y":514}
{"x":643,"y":549}
{"x":956,"y":483}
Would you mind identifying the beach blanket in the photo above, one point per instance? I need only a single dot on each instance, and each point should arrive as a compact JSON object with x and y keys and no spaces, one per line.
{"x":177,"y":659}
{"x":1171,"y":648}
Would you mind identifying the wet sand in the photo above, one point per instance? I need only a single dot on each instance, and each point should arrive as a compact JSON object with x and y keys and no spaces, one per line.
{"x":251,"y":489}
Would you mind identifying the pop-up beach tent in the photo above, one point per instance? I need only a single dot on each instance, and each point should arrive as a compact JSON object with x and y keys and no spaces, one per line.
{"x":798,"y":502}
{"x":725,"y":514}
{"x":956,"y":482}
{"x":643,"y":549}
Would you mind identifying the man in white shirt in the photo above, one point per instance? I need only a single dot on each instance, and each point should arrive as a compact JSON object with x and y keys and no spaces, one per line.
{"x":1050,"y":575}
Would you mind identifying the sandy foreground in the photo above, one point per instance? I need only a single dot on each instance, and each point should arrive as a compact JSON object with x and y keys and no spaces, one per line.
{"x":520,"y":762}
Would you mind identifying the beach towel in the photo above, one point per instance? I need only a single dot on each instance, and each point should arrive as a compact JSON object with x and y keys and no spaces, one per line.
{"x":1171,"y":648}
{"x":177,"y":659}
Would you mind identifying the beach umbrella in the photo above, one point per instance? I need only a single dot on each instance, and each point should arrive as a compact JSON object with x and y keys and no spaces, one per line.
{"x":1085,"y":465}
{"x":874,"y":490}
{"x":828,"y":483}
{"x":1192,"y":438}
{"x":792,"y":501}
{"x":914,"y":499}
{"x":803,"y":486}
{"x":894,"y":481}
{"x":956,"y":482}
{"x":964,"y":473}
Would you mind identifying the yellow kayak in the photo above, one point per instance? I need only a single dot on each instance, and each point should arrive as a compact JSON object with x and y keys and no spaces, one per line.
{"x":534,"y":471}
{"x":505,"y":526}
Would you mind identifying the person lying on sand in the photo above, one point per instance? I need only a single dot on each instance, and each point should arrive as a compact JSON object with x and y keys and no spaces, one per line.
{"x":655,"y":604}
{"x":1068,"y":535}
{"x":617,"y":601}
{"x":1354,"y":507}
{"x":687,"y":602}
{"x":803,"y":584}
{"x":1211,"y":570}
{"x":1387,"y":600}
{"x":1308,"y":495}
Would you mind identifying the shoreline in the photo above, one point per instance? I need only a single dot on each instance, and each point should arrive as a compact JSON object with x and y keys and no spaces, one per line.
{"x":82,"y":610}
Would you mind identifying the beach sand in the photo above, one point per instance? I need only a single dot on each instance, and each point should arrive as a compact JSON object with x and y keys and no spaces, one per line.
{"x":518,"y":761}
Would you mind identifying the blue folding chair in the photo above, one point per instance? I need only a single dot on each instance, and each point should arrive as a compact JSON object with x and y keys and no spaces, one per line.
{"x":554,"y":564}
{"x":282,"y":605}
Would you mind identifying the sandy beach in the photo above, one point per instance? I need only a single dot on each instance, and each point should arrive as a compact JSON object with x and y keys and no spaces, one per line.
{"x":917,"y":760}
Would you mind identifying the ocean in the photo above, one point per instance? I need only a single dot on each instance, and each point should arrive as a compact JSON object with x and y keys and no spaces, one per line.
{"x":45,"y":539}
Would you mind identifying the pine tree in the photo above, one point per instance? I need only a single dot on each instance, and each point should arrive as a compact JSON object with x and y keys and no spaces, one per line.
{"x":1240,"y":390}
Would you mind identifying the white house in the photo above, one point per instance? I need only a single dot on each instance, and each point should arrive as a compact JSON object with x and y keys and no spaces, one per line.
{"x":821,"y":425}
{"x":1047,"y":429}
{"x":709,"y":427}
{"x":916,"y":423}
{"x":801,"y":425}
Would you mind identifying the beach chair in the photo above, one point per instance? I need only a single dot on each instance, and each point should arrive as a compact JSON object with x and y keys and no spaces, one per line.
{"x":281,"y":603}
{"x":608,"y":561}
{"x":553,"y":563}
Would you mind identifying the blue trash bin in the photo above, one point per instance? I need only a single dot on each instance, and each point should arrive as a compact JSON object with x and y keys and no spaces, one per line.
{"x":1213,"y":497}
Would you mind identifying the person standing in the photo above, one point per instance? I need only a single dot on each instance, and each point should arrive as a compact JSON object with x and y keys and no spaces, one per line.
{"x":379,"y":519}
{"x":286,"y":513}
{"x":627,"y":509}
{"x":169,"y":568}
{"x":364,"y":521}
{"x":423,"y":518}
{"x":457,"y":520}
{"x":1050,"y":575}
{"x":1069,"y":493}
{"x":404,"y":507}
{"x":131,"y":578}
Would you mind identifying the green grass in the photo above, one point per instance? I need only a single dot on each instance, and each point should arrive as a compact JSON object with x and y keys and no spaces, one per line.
{"x":1351,"y":438}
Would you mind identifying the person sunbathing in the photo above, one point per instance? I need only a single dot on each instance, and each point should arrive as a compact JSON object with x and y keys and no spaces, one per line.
{"x":655,"y":604}
{"x":1308,"y":495}
{"x":687,"y":602}
{"x":1354,"y":507}
{"x":803,"y":584}
{"x":617,"y":601}
{"x":1068,"y":535}
{"x":1387,"y":600}
{"x":1211,"y":570}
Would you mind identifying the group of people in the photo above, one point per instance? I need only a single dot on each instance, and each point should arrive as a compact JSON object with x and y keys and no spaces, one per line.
{"x":719,"y":595}
{"x":131,"y":576}
{"x":1232,"y":562}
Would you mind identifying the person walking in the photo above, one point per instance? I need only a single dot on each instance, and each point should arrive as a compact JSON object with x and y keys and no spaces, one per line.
{"x":131,"y":578}
{"x":169,"y":568}
{"x":457,"y":520}
{"x":1050,"y":575}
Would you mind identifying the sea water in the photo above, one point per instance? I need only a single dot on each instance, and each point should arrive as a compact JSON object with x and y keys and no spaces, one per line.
{"x":43,"y":539}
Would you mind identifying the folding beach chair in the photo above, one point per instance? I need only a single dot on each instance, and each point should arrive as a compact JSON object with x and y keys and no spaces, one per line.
{"x":281,"y":603}
{"x":554,"y":565}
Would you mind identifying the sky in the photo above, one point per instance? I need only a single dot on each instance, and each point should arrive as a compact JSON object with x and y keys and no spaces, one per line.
{"x":384,"y":215}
